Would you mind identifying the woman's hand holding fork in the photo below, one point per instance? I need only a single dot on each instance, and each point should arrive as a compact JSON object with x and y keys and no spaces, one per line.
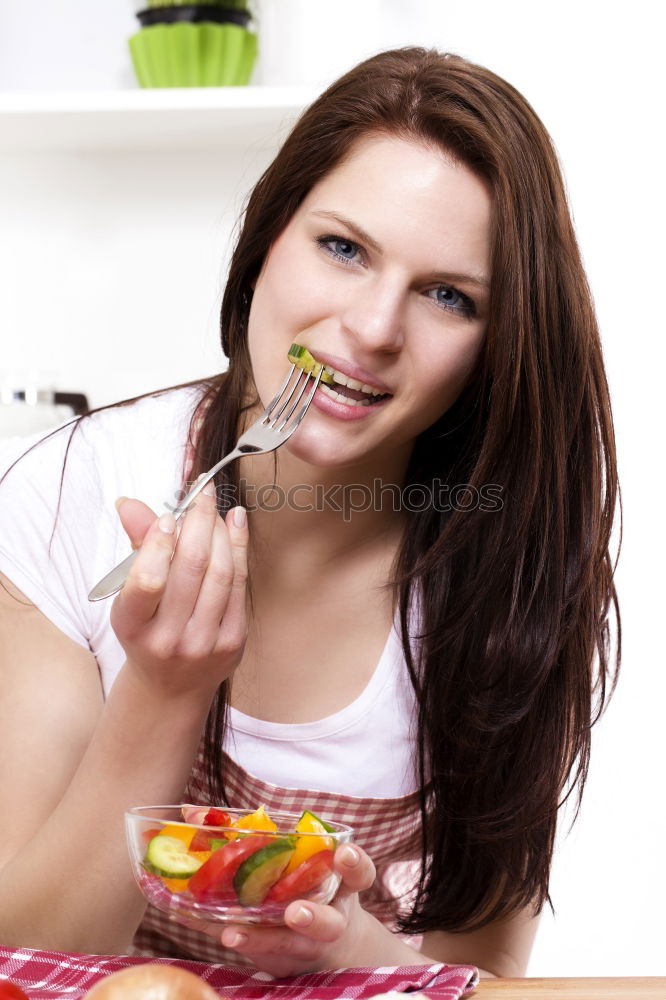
{"x":181,"y":616}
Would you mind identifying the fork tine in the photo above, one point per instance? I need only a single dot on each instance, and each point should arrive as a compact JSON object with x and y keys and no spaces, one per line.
{"x":273,"y":403}
{"x":270,"y":418}
{"x":304,"y":408}
{"x":294,"y":398}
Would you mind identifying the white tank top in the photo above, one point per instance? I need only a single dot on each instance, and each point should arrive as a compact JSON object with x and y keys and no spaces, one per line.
{"x":366,"y":748}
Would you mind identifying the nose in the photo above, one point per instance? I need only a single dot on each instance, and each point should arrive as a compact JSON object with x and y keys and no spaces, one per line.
{"x":374,"y":315}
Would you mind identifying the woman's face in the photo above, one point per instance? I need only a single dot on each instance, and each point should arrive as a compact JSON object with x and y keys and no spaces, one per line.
{"x":383,"y":273}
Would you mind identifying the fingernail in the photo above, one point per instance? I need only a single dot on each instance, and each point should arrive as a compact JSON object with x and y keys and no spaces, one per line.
{"x":234,"y":939}
{"x":118,"y":502}
{"x":240,"y":517}
{"x":210,"y":489}
{"x":302,"y":917}
{"x":350,"y":856}
{"x":167,"y":524}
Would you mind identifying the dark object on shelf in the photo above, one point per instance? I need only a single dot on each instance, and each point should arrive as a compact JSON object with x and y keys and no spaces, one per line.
{"x":75,"y":400}
{"x":236,"y":4}
{"x":28,"y":411}
{"x":194,"y":13}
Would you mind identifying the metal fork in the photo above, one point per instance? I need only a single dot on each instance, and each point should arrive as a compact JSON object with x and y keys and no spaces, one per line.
{"x":266,"y":434}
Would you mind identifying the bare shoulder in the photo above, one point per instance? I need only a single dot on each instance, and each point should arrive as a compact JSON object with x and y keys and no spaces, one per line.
{"x":501,"y":948}
{"x":32,"y":646}
{"x":50,"y":700}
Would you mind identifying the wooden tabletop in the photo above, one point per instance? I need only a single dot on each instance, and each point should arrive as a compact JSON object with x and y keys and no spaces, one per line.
{"x":633,"y":988}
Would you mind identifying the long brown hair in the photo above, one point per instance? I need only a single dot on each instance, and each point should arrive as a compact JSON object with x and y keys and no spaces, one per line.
{"x":514,"y":663}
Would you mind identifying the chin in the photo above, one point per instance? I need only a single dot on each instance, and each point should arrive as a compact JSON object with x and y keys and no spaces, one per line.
{"x":313,"y":445}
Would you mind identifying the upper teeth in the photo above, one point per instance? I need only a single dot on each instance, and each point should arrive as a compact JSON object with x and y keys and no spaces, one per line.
{"x":353,"y":383}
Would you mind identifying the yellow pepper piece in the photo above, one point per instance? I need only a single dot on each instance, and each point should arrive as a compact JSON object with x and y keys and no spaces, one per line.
{"x":309,"y":845}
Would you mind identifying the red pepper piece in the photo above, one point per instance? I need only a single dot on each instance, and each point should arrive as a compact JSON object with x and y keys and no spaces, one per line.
{"x":203,"y":841}
{"x":217,"y":817}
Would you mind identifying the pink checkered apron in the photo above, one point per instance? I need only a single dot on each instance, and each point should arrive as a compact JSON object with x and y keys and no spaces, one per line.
{"x":388,"y":829}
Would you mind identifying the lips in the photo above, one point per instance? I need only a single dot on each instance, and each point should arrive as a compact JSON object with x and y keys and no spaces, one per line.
{"x":351,"y":370}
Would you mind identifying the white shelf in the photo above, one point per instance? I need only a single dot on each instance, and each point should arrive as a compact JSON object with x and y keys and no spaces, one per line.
{"x":148,"y":120}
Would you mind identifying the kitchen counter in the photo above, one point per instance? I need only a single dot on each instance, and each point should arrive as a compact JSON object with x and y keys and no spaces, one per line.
{"x":630,"y":988}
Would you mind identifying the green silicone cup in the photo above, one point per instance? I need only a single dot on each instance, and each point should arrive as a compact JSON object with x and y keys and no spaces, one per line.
{"x":235,"y":4}
{"x":193,"y":55}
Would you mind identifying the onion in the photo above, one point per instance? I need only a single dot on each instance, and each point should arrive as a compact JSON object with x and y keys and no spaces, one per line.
{"x":152,"y":981}
{"x":195,"y":814}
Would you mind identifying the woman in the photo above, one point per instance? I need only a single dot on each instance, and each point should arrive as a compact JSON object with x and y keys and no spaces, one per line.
{"x":413,"y":233}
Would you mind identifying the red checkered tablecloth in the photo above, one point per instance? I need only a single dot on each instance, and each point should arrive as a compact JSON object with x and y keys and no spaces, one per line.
{"x":47,"y":975}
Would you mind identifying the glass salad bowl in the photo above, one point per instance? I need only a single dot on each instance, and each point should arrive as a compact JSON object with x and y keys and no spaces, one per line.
{"x":224,"y":865}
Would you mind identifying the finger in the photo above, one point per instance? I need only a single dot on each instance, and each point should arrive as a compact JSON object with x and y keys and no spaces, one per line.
{"x":274,"y":941}
{"x":356,"y":869}
{"x":140,"y":597}
{"x":315,"y":920}
{"x":215,"y":587}
{"x":233,"y":627}
{"x":136,"y":517}
{"x":191,"y":559}
{"x":197,"y":924}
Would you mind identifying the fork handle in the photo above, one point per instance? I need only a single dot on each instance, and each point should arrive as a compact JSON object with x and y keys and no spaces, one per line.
{"x":114,"y":581}
{"x":203,"y":480}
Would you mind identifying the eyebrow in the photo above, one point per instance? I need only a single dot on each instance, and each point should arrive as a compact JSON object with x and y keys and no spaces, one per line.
{"x":372,"y":244}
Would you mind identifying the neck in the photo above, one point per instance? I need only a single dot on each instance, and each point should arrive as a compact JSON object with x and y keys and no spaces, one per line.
{"x":319,"y":516}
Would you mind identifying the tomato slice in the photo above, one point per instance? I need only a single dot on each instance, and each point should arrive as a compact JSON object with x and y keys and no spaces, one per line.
{"x":10,"y":991}
{"x":205,"y":840}
{"x":308,"y":876}
{"x":147,"y":835}
{"x":215,"y":879}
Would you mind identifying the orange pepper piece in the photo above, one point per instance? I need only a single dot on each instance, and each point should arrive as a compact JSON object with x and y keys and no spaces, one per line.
{"x":258,"y":820}
{"x":184,"y":833}
{"x":176,"y":884}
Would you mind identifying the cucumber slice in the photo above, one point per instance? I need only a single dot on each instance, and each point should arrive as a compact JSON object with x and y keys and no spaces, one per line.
{"x":259,"y":873}
{"x":298,"y":351}
{"x":169,"y":857}
{"x":302,"y":358}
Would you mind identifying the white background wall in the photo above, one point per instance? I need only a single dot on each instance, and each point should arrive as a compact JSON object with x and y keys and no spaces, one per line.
{"x":115,"y":302}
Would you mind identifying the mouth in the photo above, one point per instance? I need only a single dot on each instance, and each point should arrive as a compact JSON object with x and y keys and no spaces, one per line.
{"x":337,"y":384}
{"x":350,"y":391}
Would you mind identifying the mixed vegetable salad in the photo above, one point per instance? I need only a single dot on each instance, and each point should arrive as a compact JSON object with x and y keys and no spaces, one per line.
{"x":240,"y":860}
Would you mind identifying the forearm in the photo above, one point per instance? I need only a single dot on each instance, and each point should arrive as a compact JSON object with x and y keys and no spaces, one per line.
{"x":378,"y":946}
{"x":71,"y":887}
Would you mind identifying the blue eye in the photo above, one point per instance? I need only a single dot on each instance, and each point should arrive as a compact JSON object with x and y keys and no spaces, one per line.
{"x":450,"y":298}
{"x":338,"y":247}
